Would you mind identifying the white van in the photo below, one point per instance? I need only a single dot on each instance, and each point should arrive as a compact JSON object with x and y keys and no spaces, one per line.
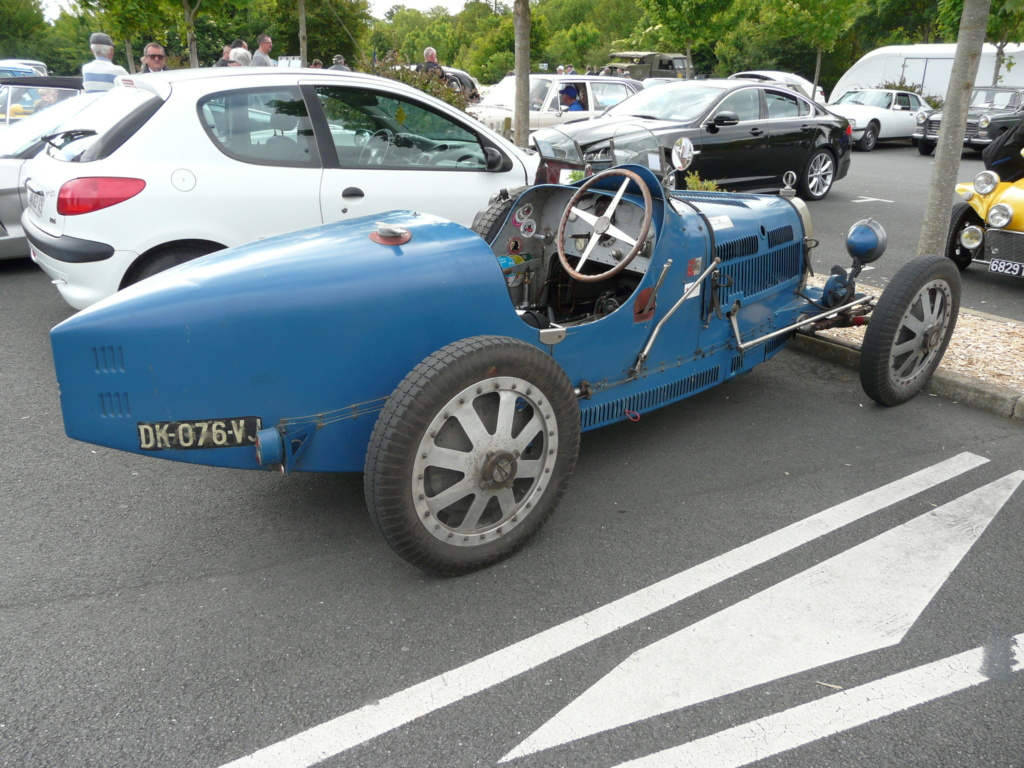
{"x":926,"y":65}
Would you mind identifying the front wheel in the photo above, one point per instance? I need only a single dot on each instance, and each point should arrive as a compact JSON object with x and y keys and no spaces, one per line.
{"x":963,"y":216}
{"x":925,"y":147}
{"x":471,"y":454}
{"x":868,"y":141}
{"x":818,"y":176}
{"x":910,"y":329}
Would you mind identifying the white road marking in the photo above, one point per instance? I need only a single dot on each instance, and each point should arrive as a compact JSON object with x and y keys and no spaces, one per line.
{"x":862,"y":600}
{"x":863,"y":199}
{"x":353,"y":728}
{"x":783,"y":731}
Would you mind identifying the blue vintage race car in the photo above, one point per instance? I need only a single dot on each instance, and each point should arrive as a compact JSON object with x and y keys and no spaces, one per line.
{"x":457,"y":368}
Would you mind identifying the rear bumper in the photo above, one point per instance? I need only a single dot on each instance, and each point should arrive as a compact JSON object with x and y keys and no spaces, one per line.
{"x":63,"y":248}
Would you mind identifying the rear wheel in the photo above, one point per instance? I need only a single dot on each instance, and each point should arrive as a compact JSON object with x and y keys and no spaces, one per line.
{"x":869,"y":139}
{"x":910,"y":329}
{"x":158,"y":262}
{"x":818,"y":175}
{"x":471,"y":454}
{"x":963,"y":216}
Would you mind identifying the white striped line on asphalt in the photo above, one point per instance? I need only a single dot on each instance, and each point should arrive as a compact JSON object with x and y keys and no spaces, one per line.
{"x":333,"y":737}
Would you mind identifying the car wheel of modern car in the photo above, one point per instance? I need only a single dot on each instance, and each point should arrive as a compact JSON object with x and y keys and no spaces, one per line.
{"x":818,"y":176}
{"x":471,"y":454}
{"x":925,"y":147}
{"x":488,"y":222}
{"x":963,"y":216}
{"x":910,"y":329}
{"x":172,"y":257}
{"x":868,"y":141}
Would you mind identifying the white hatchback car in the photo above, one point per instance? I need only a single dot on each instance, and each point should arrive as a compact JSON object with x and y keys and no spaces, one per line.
{"x":783,"y":77}
{"x":168,"y":167}
{"x":594,"y":94}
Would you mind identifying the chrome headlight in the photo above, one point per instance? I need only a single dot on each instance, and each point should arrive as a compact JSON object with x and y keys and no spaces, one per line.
{"x":986,"y":182}
{"x":966,"y":195}
{"x":999,"y":215}
{"x":984,"y":121}
{"x":971,"y":237}
{"x":921,"y":118}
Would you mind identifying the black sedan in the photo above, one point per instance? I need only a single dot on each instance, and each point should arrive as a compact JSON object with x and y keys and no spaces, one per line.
{"x":747,"y":135}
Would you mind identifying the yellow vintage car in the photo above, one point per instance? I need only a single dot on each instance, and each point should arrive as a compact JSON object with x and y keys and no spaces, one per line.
{"x":987,"y":225}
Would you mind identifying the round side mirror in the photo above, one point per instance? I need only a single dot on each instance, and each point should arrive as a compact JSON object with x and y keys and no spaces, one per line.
{"x":682,"y":154}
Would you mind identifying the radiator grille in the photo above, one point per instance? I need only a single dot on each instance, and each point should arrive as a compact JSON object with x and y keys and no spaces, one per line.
{"x":777,"y":237}
{"x":1000,"y":244}
{"x":640,"y":402}
{"x":734,"y":249}
{"x":114,"y":405}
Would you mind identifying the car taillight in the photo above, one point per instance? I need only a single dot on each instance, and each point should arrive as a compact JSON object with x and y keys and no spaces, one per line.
{"x":849,"y":130}
{"x":93,"y":194}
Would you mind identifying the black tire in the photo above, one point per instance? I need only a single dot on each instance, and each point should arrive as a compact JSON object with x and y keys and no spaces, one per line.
{"x":869,"y":138}
{"x":440,"y":454}
{"x":818,"y":176}
{"x":910,"y":329}
{"x":963,"y":216}
{"x":172,"y":257}
{"x":925,"y":147}
{"x":488,"y":222}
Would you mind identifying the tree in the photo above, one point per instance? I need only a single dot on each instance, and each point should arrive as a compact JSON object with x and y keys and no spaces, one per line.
{"x":521,"y":20}
{"x":973,"y":23}
{"x":23,"y":28}
{"x":1005,"y":23}
{"x":686,"y":22}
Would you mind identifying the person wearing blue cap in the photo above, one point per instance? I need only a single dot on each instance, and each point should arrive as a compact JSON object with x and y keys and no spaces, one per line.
{"x":568,"y":97}
{"x":99,"y":74}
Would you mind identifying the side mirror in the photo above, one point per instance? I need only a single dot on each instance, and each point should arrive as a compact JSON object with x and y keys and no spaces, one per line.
{"x":682,"y":154}
{"x":726,"y":118}
{"x":897,"y":107}
{"x":495,"y":160}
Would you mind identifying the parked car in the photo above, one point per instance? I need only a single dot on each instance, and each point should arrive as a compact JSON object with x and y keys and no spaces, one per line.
{"x":457,"y":371}
{"x":173,"y":166}
{"x":644,"y":64}
{"x":16,"y":70}
{"x":595,"y":95}
{"x":806,"y":86}
{"x":747,"y":135}
{"x":37,"y":67}
{"x":991,"y":111}
{"x":24,"y":96}
{"x":987,"y":225}
{"x":18,"y":144}
{"x":879,"y":114}
{"x":458,"y":80}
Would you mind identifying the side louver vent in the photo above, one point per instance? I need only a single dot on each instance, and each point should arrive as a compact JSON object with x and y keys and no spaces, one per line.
{"x":615,"y":410}
{"x":114,"y":405}
{"x":109,"y":359}
{"x":777,"y":237}
{"x":751,"y":277}
{"x":727,"y":250}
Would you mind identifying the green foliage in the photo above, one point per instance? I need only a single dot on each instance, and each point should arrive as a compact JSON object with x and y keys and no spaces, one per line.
{"x":933,"y":101}
{"x":697,"y":184}
{"x":23,"y":30}
{"x":394,"y":67}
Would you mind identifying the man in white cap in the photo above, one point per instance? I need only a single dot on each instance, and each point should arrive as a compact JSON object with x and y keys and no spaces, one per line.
{"x":99,"y":74}
{"x":339,"y":63}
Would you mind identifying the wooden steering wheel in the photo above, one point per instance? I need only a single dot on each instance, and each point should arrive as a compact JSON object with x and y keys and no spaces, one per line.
{"x":602,"y":225}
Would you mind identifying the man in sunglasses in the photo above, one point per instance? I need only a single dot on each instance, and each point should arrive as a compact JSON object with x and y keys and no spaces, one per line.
{"x":154,"y":58}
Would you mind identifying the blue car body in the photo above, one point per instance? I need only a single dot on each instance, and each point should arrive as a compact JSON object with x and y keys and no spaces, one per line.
{"x":282,"y":353}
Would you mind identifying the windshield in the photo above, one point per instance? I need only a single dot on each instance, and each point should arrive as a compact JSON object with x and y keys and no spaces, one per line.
{"x":995,"y":98}
{"x":880,"y":99}
{"x":504,"y":93}
{"x":683,"y":102}
{"x":98,"y":119}
{"x":24,"y":134}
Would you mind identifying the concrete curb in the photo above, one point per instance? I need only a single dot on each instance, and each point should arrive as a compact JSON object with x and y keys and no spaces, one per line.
{"x":993,"y":398}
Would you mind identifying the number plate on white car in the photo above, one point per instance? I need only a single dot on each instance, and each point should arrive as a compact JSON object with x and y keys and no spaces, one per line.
{"x":208,"y":433}
{"x":35,"y":202}
{"x":1013,"y":268}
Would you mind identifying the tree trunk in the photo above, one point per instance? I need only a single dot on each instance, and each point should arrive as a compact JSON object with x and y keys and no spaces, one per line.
{"x":973,"y":23}
{"x":190,"y":31}
{"x":131,"y":57}
{"x":817,"y":74}
{"x":1000,"y":53}
{"x":303,"y":61}
{"x":689,"y":62}
{"x":521,"y":26}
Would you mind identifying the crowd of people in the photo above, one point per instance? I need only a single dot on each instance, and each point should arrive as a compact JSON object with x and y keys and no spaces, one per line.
{"x":99,"y":74}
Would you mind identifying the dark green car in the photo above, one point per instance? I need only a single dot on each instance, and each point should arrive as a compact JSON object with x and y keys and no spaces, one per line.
{"x":992,"y":111}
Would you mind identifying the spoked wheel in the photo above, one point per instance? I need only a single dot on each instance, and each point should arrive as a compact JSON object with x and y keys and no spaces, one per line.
{"x":910,"y":329}
{"x":818,"y":176}
{"x":963,"y":216}
{"x":471,"y":454}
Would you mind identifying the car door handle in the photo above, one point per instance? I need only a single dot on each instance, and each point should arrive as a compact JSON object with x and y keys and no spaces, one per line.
{"x":351,"y":193}
{"x":756,"y":131}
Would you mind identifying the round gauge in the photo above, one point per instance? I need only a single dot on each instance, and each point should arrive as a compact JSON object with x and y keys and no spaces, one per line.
{"x":529,"y":227}
{"x":522,"y":214}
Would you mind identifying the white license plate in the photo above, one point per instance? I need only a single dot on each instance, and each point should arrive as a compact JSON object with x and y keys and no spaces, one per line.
{"x":1012,"y":268}
{"x":35,"y":202}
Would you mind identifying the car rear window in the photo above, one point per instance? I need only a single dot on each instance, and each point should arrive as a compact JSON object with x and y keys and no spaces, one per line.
{"x":104,"y":125}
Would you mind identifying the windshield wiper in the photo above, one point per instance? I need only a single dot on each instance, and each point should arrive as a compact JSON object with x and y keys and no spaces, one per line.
{"x":71,"y":135}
